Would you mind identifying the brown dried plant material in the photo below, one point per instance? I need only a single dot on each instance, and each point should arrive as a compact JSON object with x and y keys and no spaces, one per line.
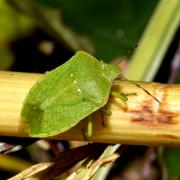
{"x":62,"y":163}
{"x":31,"y":172}
{"x":92,"y":166}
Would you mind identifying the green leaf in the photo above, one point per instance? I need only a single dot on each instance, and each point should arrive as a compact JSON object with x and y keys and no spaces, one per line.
{"x":12,"y":23}
{"x":112,"y":26}
{"x":6,"y":58}
{"x":172,"y":159}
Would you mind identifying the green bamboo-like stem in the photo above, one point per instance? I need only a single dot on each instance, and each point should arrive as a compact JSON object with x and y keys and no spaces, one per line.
{"x":155,"y":41}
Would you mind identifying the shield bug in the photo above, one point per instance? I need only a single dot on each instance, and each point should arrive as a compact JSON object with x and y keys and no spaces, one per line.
{"x":67,"y":94}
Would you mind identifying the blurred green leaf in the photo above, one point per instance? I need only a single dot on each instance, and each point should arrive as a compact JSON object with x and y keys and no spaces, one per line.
{"x":49,"y":20}
{"x":112,"y":26}
{"x":172,"y":159}
{"x":12,"y":23}
{"x":178,"y":78}
{"x":6,"y":58}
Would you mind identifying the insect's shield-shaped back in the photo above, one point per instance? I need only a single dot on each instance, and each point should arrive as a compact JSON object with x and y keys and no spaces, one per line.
{"x":67,"y":94}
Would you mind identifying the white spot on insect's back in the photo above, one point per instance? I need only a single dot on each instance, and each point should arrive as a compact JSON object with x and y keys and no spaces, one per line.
{"x":73,"y":78}
{"x":75,"y":82}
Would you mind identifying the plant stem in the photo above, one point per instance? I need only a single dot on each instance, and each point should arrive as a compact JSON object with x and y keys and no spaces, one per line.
{"x":155,"y":41}
{"x":140,"y":120}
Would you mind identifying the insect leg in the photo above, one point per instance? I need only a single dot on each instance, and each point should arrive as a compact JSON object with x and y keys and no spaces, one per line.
{"x":147,"y":92}
{"x":119,"y":95}
{"x":87,"y":131}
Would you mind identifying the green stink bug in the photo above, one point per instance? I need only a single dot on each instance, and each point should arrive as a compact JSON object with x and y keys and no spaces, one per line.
{"x":67,"y":94}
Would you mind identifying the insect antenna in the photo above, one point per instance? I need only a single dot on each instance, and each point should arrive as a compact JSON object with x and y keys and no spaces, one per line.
{"x":129,"y":52}
{"x":136,"y":84}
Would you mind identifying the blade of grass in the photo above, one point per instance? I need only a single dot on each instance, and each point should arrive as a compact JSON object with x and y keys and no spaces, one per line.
{"x":155,"y":41}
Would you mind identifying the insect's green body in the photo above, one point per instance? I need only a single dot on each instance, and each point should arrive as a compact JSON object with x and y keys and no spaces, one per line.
{"x":67,"y":94}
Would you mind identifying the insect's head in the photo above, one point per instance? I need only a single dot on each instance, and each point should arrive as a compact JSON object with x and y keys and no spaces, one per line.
{"x":110,"y":71}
